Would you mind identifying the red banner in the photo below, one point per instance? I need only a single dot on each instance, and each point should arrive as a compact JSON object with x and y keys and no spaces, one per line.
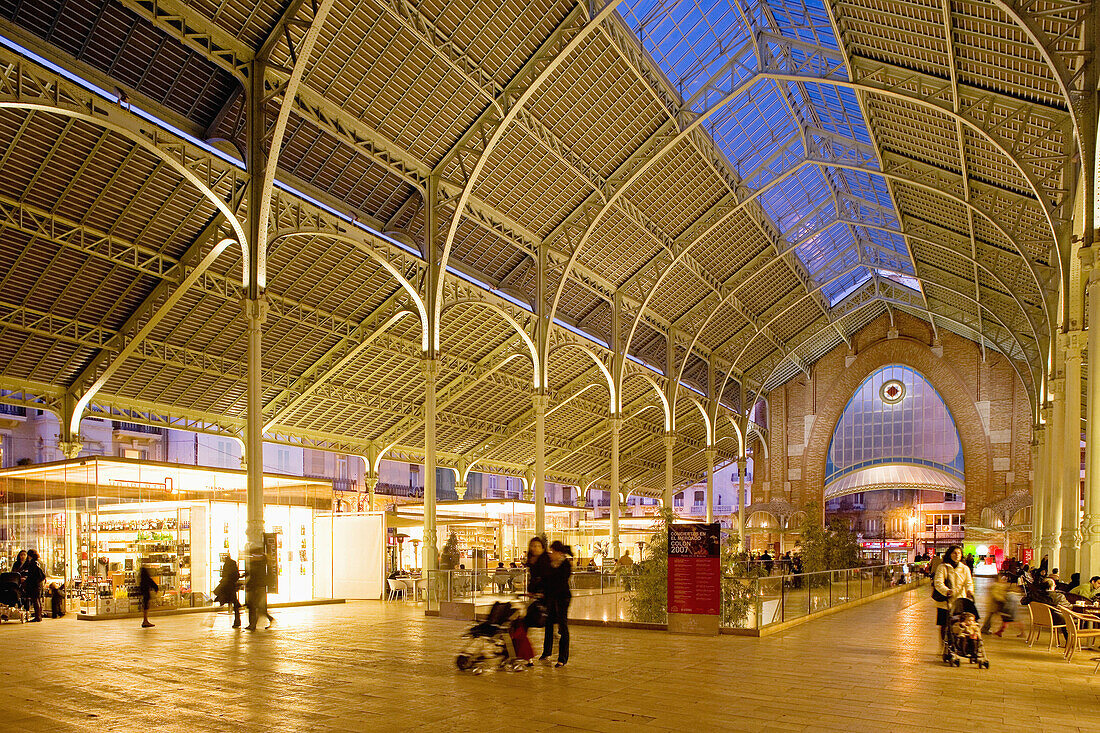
{"x":694,"y":569}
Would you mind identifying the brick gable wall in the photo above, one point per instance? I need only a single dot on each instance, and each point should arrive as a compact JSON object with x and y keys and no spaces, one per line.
{"x":987,"y":400}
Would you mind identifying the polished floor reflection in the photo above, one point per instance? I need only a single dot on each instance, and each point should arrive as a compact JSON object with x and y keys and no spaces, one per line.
{"x":374,"y":666}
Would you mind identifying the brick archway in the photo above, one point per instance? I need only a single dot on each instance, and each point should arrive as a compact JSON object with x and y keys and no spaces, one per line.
{"x":977,"y":463}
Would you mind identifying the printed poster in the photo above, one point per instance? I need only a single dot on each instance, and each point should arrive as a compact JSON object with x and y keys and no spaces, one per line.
{"x":694,"y":569}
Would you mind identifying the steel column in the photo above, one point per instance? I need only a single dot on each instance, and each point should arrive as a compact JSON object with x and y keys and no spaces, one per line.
{"x":670,"y":444}
{"x":255,"y":313}
{"x":431,"y":376}
{"x":742,"y":503}
{"x":1051,"y":541}
{"x":616,"y":428}
{"x":1071,"y":455}
{"x":1089,"y":561}
{"x":541,"y":401}
{"x":710,"y":484}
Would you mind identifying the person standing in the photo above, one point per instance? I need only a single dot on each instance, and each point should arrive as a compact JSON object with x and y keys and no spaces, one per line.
{"x":953,"y":582}
{"x":555,"y":589}
{"x":934,"y":564}
{"x":33,"y":581}
{"x":19,"y":567}
{"x":146,"y":587}
{"x":255,"y":589}
{"x":537,"y":563}
{"x":226,"y":592}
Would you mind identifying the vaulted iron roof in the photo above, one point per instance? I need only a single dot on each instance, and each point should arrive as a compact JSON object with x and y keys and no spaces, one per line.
{"x":720,"y":190}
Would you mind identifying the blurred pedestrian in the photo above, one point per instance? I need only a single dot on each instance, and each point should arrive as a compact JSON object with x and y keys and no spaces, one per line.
{"x":255,"y":589}
{"x":226,"y":591}
{"x":146,"y":587}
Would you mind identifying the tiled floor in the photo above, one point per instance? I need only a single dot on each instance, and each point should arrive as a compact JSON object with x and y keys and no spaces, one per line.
{"x":385,"y":667}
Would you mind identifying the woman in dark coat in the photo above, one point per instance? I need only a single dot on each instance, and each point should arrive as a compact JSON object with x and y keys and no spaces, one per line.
{"x":537,"y":563}
{"x":33,"y":579}
{"x":555,"y":590}
{"x":147,"y":587}
{"x":226,"y":592}
{"x":19,"y":567}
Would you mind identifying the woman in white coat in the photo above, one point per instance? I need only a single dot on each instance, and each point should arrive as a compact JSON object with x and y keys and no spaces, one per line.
{"x":953,"y":580}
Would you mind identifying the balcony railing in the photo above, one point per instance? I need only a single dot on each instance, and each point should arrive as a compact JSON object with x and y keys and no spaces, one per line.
{"x":339,"y":484}
{"x":398,"y":490}
{"x":131,"y":427}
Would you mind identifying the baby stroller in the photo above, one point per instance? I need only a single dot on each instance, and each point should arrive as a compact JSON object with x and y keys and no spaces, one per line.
{"x":494,"y":641}
{"x":957,"y":646}
{"x":11,"y":598}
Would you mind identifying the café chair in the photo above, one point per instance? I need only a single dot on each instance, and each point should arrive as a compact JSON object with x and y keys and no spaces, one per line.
{"x":1044,"y":617}
{"x":397,"y":588}
{"x":1076,"y":633}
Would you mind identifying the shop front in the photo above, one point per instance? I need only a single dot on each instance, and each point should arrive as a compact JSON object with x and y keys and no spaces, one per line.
{"x":95,"y":521}
{"x":486,"y":531}
{"x":887,"y":551}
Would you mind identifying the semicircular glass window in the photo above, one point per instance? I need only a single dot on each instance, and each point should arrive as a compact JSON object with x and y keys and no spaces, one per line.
{"x":895,"y":416}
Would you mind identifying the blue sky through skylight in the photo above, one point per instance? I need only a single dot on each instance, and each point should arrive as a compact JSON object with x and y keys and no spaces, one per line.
{"x":765,"y":131}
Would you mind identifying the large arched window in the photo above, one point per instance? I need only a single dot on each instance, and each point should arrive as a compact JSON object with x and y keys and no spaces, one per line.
{"x":895,"y":417}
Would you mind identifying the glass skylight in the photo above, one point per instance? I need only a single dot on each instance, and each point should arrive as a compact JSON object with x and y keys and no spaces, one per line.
{"x":774,"y":127}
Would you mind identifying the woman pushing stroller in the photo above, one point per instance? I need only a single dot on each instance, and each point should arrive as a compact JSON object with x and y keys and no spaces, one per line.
{"x":951,"y":583}
{"x":956,"y":613}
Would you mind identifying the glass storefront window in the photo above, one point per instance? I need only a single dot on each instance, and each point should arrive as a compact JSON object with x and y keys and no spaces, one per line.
{"x":96,"y":521}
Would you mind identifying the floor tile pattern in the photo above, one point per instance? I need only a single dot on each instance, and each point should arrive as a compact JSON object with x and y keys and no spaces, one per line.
{"x":374,"y":666}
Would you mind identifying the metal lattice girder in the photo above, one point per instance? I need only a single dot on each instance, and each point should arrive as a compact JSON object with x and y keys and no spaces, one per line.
{"x":464,"y":382}
{"x":929,"y":235}
{"x":25,"y":85}
{"x":1002,"y":121}
{"x":327,"y":116}
{"x":180,"y":21}
{"x":288,"y":48}
{"x":469,"y":155}
{"x":42,"y":224}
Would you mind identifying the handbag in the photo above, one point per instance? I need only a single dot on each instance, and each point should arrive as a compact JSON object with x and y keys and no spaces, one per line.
{"x":537,"y":613}
{"x":936,"y":595}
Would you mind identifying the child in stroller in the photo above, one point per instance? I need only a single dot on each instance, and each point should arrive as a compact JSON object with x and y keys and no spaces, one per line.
{"x":500,"y":639}
{"x":962,"y":637}
{"x":11,"y":598}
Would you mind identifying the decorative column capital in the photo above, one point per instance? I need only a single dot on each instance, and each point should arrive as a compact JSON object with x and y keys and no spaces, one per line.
{"x":430,"y":367}
{"x":1091,"y":526}
{"x":255,"y":310}
{"x":616,"y":422}
{"x":70,"y":448}
{"x":1070,"y":537}
{"x":711,"y":452}
{"x":460,"y":489}
{"x":1056,"y":386}
{"x":1073,"y":343}
{"x":540,"y":401}
{"x":669,"y":440}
